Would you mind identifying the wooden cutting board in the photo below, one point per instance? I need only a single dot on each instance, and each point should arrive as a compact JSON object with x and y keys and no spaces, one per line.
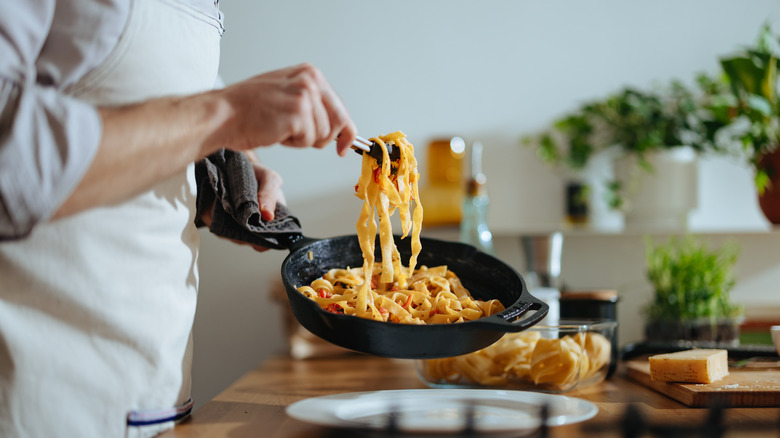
{"x":743,"y":387}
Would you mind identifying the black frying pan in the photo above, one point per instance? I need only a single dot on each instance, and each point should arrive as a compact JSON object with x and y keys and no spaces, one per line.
{"x":484,"y":276}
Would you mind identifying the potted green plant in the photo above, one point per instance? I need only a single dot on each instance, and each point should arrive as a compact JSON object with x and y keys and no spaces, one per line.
{"x":691,"y":285}
{"x":744,"y":109}
{"x":635,"y":123}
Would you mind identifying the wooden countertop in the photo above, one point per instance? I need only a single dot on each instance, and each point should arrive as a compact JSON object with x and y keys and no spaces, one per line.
{"x":255,"y":404}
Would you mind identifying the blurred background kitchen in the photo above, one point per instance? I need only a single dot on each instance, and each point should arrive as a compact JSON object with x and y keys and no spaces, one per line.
{"x":488,"y":72}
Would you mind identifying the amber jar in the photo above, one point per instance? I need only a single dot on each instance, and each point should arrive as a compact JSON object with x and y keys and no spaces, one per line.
{"x":441,"y":191}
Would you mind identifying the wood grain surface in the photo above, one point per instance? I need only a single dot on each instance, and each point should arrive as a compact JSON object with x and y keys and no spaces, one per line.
{"x":254,"y":406}
{"x":743,"y":387}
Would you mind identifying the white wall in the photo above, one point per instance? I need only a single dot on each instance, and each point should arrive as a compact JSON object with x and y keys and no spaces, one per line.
{"x":489,"y":71}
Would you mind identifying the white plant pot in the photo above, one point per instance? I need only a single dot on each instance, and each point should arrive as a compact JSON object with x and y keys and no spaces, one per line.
{"x":663,"y":198}
{"x":599,"y":170}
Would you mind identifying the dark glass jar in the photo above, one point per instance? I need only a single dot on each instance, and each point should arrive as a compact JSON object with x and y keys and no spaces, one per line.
{"x":593,"y":304}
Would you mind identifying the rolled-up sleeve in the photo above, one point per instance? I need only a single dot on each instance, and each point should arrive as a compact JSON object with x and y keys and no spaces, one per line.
{"x":47,"y":140}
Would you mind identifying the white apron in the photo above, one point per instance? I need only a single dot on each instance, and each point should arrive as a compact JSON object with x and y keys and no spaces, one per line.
{"x":96,"y":310}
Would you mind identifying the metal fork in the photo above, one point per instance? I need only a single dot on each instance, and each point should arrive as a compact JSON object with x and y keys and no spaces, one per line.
{"x":361,"y":145}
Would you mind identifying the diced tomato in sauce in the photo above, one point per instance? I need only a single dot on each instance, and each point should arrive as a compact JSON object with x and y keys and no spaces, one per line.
{"x":334,"y":308}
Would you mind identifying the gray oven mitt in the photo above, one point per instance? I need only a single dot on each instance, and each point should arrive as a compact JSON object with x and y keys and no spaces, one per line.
{"x":226,"y":180}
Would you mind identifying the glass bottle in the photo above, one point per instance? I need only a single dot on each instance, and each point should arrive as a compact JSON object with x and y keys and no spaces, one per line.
{"x":473,"y":226}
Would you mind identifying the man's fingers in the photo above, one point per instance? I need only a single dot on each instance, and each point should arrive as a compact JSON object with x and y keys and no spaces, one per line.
{"x":270,"y":192}
{"x":328,"y":111}
{"x":345,"y":138}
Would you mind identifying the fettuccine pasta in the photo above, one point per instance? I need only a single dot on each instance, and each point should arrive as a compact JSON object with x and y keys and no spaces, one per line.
{"x":387,"y":290}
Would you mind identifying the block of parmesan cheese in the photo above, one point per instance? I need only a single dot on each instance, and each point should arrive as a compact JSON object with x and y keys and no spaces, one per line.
{"x":694,"y":366}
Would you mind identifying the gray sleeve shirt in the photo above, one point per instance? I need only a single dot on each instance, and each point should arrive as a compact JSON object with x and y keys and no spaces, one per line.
{"x":48,"y":139}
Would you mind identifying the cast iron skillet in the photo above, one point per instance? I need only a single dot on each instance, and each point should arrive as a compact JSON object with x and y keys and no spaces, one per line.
{"x":484,"y":276}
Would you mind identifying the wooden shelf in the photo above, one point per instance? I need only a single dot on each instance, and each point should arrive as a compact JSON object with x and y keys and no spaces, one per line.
{"x":452,"y":232}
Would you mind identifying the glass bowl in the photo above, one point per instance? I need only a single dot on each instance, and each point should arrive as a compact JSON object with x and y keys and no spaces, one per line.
{"x":555,"y":359}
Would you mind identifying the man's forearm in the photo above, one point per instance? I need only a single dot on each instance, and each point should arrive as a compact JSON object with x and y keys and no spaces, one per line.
{"x":145,"y":143}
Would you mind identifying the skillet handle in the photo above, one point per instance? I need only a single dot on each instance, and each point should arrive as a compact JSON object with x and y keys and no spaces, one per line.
{"x":293,"y":241}
{"x":516,"y":318}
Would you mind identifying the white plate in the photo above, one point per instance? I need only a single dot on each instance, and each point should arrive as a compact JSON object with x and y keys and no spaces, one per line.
{"x":442,"y":410}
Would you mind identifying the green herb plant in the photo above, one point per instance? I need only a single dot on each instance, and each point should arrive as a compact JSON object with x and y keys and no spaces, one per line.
{"x":743,"y":105}
{"x":690,"y":280}
{"x":737,"y":110}
{"x":633,"y":120}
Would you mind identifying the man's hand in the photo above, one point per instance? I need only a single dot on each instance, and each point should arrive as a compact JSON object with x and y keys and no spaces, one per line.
{"x":294,"y":106}
{"x":269,"y":193}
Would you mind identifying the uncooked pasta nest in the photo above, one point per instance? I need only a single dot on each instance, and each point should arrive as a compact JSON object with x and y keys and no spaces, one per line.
{"x":525,"y":359}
